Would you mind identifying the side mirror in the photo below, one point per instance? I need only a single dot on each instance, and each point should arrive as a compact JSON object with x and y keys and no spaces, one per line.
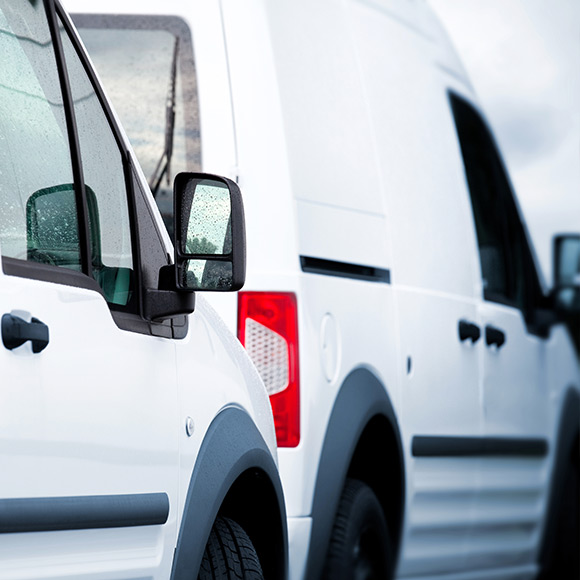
{"x":52,"y":238}
{"x":210,"y":238}
{"x":52,"y":235}
{"x":566,"y":290}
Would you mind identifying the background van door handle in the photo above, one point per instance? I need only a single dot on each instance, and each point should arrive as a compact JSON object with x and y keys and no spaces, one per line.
{"x":469,"y":330}
{"x":16,"y":331}
{"x":494,"y":336}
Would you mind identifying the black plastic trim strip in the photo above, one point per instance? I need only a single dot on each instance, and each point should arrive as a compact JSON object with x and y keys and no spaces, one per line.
{"x":49,"y":514}
{"x":48,"y":273}
{"x":58,"y":275}
{"x":344,"y":270}
{"x":74,"y":145}
{"x":445,"y":446}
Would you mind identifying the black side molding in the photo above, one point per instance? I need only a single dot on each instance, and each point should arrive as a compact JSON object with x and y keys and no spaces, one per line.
{"x":344,"y":270}
{"x":49,"y":514}
{"x":442,"y":446}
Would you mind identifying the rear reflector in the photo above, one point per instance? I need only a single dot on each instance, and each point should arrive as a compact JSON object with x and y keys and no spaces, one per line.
{"x":268,"y":328}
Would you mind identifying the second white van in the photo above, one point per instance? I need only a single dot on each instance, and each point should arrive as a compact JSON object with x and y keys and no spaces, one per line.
{"x":424,"y":391}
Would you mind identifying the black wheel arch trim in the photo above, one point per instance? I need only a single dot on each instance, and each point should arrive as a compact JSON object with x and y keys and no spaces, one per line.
{"x":361,"y":398}
{"x":232,"y":447}
{"x":565,"y":448}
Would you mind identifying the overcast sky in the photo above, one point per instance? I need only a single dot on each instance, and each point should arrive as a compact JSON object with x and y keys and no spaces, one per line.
{"x":523,"y":57}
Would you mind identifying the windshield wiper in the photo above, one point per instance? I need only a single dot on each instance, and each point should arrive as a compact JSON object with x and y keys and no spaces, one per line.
{"x":164,"y":163}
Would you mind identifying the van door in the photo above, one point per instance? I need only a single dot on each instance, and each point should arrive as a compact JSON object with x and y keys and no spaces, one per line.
{"x":434,"y":259}
{"x":88,"y":441}
{"x":515,"y":392}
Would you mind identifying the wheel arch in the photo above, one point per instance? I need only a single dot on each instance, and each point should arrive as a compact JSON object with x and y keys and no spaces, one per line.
{"x":362,"y":421}
{"x":234,"y":476}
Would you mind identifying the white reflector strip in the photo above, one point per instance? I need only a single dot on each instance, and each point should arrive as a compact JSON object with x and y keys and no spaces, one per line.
{"x":269,"y":352}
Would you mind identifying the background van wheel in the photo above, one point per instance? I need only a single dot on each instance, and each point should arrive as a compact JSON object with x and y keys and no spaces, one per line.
{"x":359,"y":546}
{"x":229,"y":554}
{"x":563,"y":558}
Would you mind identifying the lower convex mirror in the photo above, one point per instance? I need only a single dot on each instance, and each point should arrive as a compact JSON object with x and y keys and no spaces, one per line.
{"x":210,"y":243}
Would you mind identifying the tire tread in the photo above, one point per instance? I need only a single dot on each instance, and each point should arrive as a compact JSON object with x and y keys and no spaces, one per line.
{"x":356,"y":496}
{"x":229,"y":554}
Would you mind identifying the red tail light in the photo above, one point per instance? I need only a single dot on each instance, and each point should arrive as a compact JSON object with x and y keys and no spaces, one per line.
{"x":268,"y":328}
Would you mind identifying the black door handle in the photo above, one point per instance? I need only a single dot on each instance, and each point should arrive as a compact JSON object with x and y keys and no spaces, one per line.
{"x":16,"y":331}
{"x":494,"y":336}
{"x":468,"y":330}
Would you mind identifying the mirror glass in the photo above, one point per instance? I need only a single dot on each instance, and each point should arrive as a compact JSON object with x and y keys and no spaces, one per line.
{"x":569,"y":262}
{"x":52,"y":227}
{"x":209,"y":224}
{"x":567,"y":283}
{"x":208,"y":275}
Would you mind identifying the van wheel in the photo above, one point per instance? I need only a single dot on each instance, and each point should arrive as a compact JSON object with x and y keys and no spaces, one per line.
{"x":564,"y":557}
{"x":359,"y":546}
{"x":229,"y":554}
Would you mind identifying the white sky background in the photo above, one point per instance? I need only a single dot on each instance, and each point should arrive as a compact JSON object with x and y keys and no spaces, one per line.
{"x":523,"y":58}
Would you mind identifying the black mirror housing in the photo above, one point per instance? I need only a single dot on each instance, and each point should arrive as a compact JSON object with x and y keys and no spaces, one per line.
{"x":210,"y":238}
{"x":210,"y":245}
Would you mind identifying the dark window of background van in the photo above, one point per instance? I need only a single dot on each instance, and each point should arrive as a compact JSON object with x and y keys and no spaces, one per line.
{"x":507,"y":267}
{"x":143,"y":61}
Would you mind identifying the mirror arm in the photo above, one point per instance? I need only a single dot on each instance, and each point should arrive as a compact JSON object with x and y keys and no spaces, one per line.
{"x":542,"y":321}
{"x":161,"y":304}
{"x":167,"y":279}
{"x":168,"y":300}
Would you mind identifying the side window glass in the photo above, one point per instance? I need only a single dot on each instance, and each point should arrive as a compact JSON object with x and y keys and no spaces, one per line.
{"x":38,"y":213}
{"x":506,"y":263}
{"x":146,"y":64}
{"x":106,"y":190}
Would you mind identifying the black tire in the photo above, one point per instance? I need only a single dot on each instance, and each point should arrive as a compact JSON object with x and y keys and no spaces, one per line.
{"x":359,"y":545}
{"x":563,"y":561}
{"x":229,"y":554}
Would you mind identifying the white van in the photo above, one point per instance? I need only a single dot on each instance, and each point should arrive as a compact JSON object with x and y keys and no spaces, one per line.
{"x":136,"y":437}
{"x":424,"y":393}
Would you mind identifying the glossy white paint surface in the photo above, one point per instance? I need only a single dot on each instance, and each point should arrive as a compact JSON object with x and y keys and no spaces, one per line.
{"x":93,"y":414}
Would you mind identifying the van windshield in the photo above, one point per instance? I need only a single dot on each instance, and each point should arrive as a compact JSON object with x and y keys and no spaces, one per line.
{"x":146,"y":65}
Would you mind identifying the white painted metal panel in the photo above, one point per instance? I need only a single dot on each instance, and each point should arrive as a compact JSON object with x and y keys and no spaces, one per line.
{"x":92,"y":414}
